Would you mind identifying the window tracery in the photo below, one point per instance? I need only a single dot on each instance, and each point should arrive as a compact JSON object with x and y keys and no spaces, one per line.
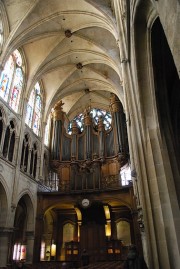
{"x":106,"y":116}
{"x":95,"y":113}
{"x":34,"y":108}
{"x":11,"y":80}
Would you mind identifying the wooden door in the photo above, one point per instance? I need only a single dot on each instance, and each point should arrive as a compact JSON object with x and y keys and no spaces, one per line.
{"x":93,"y":240}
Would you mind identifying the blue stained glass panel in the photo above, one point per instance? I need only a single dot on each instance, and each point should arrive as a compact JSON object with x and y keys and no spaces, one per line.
{"x":33,"y":113}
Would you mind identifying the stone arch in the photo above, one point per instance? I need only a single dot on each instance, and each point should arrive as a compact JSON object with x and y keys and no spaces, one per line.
{"x":167,"y":89}
{"x":3,"y":205}
{"x":34,"y":159}
{"x":157,"y":183}
{"x":29,"y":209}
{"x":23,"y":228}
{"x":48,"y":234}
{"x":4,"y":27}
{"x":9,"y":141}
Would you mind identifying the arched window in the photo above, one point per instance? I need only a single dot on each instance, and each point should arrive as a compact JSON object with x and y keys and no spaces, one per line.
{"x":11,"y":80}
{"x":34,"y":107}
{"x":9,"y":142}
{"x":124,"y":232}
{"x":80,"y":123}
{"x":68,"y":232}
{"x":95,"y":113}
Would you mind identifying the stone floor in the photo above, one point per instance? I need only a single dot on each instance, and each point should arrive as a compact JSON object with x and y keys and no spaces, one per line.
{"x":97,"y":265}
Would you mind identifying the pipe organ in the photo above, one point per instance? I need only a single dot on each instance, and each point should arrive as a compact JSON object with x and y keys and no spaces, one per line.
{"x":90,"y":159}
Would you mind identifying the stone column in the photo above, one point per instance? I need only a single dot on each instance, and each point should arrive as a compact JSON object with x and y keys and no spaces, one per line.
{"x":37,"y":239}
{"x":29,"y":246}
{"x":15,"y":153}
{"x":5,"y":239}
{"x":29,"y":160}
{"x":3,"y":138}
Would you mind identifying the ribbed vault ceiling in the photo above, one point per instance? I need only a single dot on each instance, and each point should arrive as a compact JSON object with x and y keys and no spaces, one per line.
{"x":39,"y":26}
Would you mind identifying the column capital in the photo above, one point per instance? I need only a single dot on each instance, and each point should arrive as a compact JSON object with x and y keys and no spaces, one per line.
{"x":115,"y":103}
{"x":58,"y":111}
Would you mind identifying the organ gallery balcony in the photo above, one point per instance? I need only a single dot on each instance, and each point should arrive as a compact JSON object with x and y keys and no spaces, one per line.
{"x":87,"y":176}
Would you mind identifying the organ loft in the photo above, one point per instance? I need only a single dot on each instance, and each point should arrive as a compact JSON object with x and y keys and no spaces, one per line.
{"x":88,"y":160}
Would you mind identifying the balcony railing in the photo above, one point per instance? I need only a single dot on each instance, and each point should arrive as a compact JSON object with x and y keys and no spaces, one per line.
{"x":53,"y":184}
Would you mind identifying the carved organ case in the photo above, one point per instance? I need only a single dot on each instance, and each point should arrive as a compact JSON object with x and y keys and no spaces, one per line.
{"x":92,"y":158}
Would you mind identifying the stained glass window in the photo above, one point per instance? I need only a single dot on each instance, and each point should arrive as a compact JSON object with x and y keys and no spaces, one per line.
{"x":33,"y":112}
{"x":6,"y":78}
{"x":16,"y":89}
{"x":11,"y":80}
{"x":95,"y":113}
{"x":106,"y":116}
{"x":80,"y":123}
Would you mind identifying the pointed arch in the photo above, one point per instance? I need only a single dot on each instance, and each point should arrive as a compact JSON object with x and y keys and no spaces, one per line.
{"x":12,"y":79}
{"x":3,"y":205}
{"x":9,"y":141}
{"x":34,"y":109}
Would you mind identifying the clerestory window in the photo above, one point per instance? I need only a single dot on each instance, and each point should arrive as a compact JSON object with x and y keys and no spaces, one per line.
{"x":11,"y":80}
{"x":34,"y":109}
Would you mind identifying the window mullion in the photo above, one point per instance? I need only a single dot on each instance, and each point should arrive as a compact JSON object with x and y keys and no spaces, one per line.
{"x":34,"y":108}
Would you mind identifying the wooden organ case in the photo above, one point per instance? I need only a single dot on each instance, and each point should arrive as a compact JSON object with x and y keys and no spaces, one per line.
{"x":91,"y":159}
{"x":87,"y":165}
